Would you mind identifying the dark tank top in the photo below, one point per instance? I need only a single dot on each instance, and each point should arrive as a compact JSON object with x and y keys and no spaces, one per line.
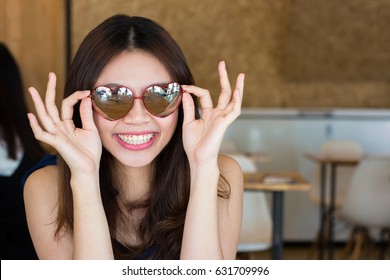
{"x":15,"y":238}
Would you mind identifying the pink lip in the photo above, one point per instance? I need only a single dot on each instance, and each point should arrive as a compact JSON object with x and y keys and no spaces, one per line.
{"x":139,"y":147}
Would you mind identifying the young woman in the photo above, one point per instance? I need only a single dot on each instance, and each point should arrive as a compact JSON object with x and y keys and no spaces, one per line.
{"x":138,"y":174}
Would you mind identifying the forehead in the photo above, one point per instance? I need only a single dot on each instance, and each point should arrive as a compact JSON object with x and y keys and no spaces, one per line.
{"x":134,"y":69}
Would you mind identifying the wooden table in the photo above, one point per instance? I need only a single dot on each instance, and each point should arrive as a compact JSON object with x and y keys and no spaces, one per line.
{"x":258,"y":182}
{"x":327,"y":215}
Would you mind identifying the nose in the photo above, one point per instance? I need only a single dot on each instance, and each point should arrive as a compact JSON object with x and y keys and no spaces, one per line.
{"x":138,"y":113}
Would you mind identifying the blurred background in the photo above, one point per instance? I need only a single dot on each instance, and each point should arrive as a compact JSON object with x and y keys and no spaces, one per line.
{"x":296,"y":53}
{"x":315,"y":70}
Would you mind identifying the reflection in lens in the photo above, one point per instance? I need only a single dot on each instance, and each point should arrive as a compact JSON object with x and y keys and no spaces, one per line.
{"x":112,"y":104}
{"x":161,"y":102}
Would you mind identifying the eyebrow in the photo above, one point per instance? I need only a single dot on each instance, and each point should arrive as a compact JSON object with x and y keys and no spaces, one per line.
{"x":111,"y":85}
{"x":115,"y":85}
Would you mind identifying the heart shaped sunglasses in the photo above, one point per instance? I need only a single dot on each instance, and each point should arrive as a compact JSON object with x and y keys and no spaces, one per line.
{"x":113,"y":103}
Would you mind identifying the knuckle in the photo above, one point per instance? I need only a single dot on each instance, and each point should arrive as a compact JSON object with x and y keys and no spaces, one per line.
{"x":206,"y":92}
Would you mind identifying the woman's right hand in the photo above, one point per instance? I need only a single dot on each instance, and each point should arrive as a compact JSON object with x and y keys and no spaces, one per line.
{"x":81,"y":148}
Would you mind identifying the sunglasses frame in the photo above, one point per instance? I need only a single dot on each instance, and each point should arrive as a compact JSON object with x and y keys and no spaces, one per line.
{"x":164,"y":86}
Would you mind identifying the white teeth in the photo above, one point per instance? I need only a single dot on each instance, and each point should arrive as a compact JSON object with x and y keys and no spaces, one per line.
{"x":136,"y":139}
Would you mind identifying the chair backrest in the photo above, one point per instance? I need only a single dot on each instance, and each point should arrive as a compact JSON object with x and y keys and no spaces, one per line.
{"x":336,"y":149}
{"x":256,"y":229}
{"x":367,"y":201}
{"x":246,"y":163}
{"x":345,"y":149}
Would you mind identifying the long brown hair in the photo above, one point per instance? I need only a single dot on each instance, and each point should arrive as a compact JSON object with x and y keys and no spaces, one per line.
{"x":161,"y":228}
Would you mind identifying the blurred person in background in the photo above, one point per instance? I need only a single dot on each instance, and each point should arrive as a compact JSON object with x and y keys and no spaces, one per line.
{"x":19,"y":151}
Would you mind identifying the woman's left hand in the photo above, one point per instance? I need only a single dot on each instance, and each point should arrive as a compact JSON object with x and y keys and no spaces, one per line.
{"x":202,"y":137}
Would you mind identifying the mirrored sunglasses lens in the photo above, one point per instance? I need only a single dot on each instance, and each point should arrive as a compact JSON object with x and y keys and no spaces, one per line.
{"x":112,"y":104}
{"x":162,"y":101}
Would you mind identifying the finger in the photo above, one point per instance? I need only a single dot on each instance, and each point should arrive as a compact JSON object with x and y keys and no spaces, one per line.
{"x":203,"y":94}
{"x":226,"y":90}
{"x":39,"y":133}
{"x":86,"y":114}
{"x":50,"y":98}
{"x":240,"y":83}
{"x":69,"y":103}
{"x":188,"y":108}
{"x":40,"y":108}
{"x":234,"y":107}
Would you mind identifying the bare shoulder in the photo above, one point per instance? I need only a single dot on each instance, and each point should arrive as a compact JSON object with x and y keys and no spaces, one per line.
{"x":41,"y":202}
{"x":231,"y":171}
{"x":43,"y":181}
{"x":41,"y":194}
{"x":229,"y":166}
{"x":230,"y":210}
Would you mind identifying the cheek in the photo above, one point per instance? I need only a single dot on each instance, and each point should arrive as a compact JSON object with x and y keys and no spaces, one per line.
{"x":168,"y":125}
{"x":103,"y":126}
{"x":98,"y":122}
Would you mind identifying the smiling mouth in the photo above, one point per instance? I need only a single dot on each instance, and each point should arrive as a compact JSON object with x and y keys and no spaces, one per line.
{"x":136,"y":139}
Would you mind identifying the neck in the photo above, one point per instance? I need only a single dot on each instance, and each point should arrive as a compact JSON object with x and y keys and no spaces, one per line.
{"x":136,"y":182}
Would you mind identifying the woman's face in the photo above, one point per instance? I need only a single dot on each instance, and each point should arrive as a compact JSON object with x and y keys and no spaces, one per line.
{"x":137,"y":138}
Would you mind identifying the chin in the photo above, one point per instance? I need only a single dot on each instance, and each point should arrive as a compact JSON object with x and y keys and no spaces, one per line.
{"x":135,"y":161}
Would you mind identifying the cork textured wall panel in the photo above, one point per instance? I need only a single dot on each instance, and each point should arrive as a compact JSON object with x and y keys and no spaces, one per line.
{"x":346,"y":41}
{"x":338,"y":53}
{"x":34,"y":31}
{"x":295,"y":53}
